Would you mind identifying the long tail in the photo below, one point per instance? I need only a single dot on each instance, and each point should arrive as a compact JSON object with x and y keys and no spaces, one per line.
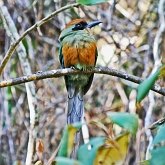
{"x":75,"y":108}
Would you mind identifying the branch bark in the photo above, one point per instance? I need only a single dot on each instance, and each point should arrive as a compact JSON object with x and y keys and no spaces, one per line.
{"x":62,"y":72}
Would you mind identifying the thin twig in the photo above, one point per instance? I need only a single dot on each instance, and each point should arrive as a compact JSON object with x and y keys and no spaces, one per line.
{"x":37,"y":24}
{"x":51,"y":159}
{"x":157,"y":123}
{"x":160,"y":33}
{"x":62,"y":72}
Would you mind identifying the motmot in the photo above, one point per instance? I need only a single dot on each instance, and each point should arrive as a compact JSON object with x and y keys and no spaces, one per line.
{"x":77,"y":50}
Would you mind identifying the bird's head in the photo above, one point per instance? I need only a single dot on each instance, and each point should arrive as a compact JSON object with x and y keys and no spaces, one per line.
{"x":77,"y":25}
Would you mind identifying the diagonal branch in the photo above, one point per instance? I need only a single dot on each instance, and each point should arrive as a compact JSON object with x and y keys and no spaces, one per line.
{"x":62,"y":72}
{"x":14,"y":45}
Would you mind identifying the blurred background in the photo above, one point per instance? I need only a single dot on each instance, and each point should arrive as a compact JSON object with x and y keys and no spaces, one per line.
{"x":125,"y":42}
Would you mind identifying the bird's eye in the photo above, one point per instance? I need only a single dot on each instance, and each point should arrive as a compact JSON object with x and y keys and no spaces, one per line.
{"x":79,"y":26}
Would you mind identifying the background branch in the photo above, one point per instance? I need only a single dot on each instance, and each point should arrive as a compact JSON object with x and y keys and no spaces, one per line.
{"x":26,"y":68}
{"x":62,"y":72}
{"x":37,"y":24}
{"x":157,"y":51}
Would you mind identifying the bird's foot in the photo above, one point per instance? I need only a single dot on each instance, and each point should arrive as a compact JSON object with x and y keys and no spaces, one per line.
{"x":82,"y":67}
{"x":73,"y":67}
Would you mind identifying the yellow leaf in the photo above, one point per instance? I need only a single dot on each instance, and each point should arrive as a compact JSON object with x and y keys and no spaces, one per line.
{"x":162,"y":72}
{"x":72,"y":131}
{"x":113,"y":154}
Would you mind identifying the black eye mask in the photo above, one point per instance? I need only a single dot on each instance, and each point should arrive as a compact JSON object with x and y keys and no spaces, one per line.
{"x":80,"y":26}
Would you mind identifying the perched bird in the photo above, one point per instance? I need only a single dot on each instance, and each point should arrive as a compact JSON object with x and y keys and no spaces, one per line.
{"x":78,"y":50}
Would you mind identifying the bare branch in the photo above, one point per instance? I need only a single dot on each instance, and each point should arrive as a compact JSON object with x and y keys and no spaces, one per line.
{"x":157,"y":50}
{"x":37,"y":24}
{"x":62,"y":72}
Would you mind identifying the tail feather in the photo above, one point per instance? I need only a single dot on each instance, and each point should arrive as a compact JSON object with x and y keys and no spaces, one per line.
{"x":75,"y":109}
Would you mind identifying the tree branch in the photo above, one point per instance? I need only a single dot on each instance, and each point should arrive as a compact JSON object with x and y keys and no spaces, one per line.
{"x":62,"y":72}
{"x":37,"y":24}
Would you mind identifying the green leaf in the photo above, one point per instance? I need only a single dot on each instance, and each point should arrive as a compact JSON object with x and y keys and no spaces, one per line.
{"x":67,"y":140}
{"x":158,"y":156}
{"x":86,"y":154}
{"x":160,"y":136}
{"x":125,"y":120}
{"x":158,"y":151}
{"x":66,"y":161}
{"x":146,"y":85}
{"x":90,"y":2}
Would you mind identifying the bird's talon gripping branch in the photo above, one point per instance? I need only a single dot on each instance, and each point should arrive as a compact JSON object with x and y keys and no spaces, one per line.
{"x":73,"y":67}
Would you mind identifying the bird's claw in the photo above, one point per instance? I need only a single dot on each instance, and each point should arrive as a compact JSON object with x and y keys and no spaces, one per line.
{"x":75,"y":68}
{"x":72,"y":67}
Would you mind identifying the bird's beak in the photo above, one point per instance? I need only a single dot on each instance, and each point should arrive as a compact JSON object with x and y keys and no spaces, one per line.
{"x":93,"y":23}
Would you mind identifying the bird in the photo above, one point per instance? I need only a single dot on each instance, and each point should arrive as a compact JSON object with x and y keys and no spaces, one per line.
{"x":78,"y":50}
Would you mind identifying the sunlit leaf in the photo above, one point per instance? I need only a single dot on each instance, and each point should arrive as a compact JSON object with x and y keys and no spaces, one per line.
{"x":66,"y":161}
{"x":113,"y":154}
{"x":90,"y":2}
{"x":146,"y":85}
{"x":67,"y":140}
{"x":125,"y":120}
{"x":87,"y":152}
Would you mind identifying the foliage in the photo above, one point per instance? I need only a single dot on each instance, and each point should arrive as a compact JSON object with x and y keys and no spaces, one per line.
{"x":125,"y":120}
{"x":90,"y":2}
{"x":148,"y":83}
{"x":105,"y":150}
{"x":67,"y":141}
{"x":158,"y":147}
